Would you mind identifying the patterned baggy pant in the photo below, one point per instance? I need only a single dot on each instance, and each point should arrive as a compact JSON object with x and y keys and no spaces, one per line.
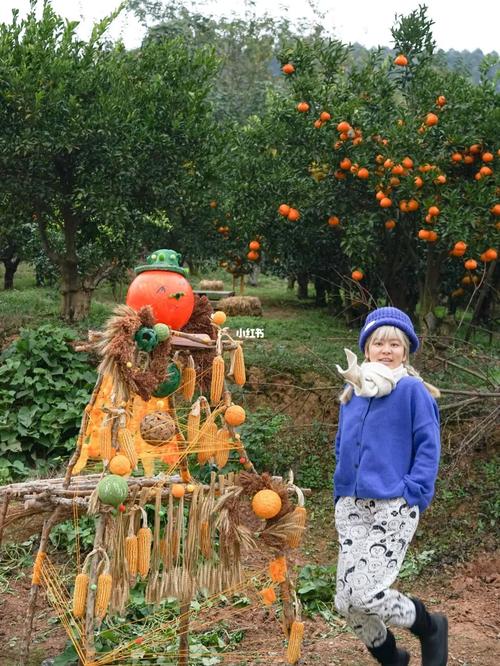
{"x":373,"y":538}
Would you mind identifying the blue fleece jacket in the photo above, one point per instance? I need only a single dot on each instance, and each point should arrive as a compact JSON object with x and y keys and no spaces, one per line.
{"x":389,"y":447}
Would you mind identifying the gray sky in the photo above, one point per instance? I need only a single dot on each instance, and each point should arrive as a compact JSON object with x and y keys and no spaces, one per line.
{"x":458,"y":25}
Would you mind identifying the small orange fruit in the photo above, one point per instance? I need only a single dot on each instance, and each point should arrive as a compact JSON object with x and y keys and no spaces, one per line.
{"x":485,"y":171}
{"x":293,"y":215}
{"x":490,"y":255}
{"x":178,"y":490}
{"x":252,"y":255}
{"x":385,"y":202}
{"x":487,"y":157}
{"x":363,"y":173}
{"x":401,"y":60}
{"x":254,"y":245}
{"x":120,"y":465}
{"x":219,"y":317}
{"x":413,"y":205}
{"x":284,"y":209}
{"x":213,"y":204}
{"x":266,"y":504}
{"x":324,"y":116}
{"x":357,"y":275}
{"x":288,"y":68}
{"x":343,"y":126}
{"x":333,"y":221}
{"x":390,"y":224}
{"x":470,"y":264}
{"x":457,"y":157}
{"x":407,"y":163}
{"x":303,"y":107}
{"x":434,"y":211}
{"x":346,"y":164}
{"x":424,"y":234}
{"x":418,"y":182}
{"x":431,"y":119}
{"x":441,"y":100}
{"x":235,"y":415}
{"x":317,"y":124}
{"x":495,"y":210}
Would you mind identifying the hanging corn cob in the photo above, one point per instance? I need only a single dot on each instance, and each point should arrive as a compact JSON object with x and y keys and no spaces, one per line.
{"x":193,"y":425}
{"x":80,"y":594}
{"x":103,"y":593}
{"x":217,"y":383}
{"x":189,"y":379}
{"x":144,"y":541}
{"x":295,"y":642}
{"x":207,"y":442}
{"x":238,"y":366}
{"x":299,"y":517}
{"x":37,"y":568}
{"x":105,"y":440}
{"x":222,"y":447}
{"x":131,"y":548}
{"x":126,"y":444}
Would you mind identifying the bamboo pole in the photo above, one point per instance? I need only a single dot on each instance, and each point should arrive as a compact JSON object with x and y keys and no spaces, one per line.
{"x":30,"y":612}
{"x":89,"y":646}
{"x":3,"y":513}
{"x":184,"y":634}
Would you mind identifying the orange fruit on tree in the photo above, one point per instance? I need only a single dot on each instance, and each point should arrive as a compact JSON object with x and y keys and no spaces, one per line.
{"x":303,"y":107}
{"x":441,"y":100}
{"x":317,"y":124}
{"x":432,"y":237}
{"x":495,"y":209}
{"x":340,"y":175}
{"x":388,"y":164}
{"x":418,"y":182}
{"x":357,"y":275}
{"x":343,"y":126}
{"x":252,"y":255}
{"x":470,"y":264}
{"x":485,"y":171}
{"x":120,"y":465}
{"x":293,"y":215}
{"x":424,"y":234}
{"x":440,"y":180}
{"x":345,"y":164}
{"x":284,"y":209}
{"x":390,"y":224}
{"x":478,"y":176}
{"x":428,"y":219}
{"x":254,"y":245}
{"x":177,"y":490}
{"x":333,"y":221}
{"x":324,"y":116}
{"x":288,"y":68}
{"x":234,"y":415}
{"x":401,"y":60}
{"x":407,"y":163}
{"x":487,"y":157}
{"x":457,"y":157}
{"x":213,"y":203}
{"x":363,"y":173}
{"x":490,"y":254}
{"x":431,"y":119}
{"x":380,"y":195}
{"x":379,"y":159}
{"x":219,"y":317}
{"x":475,"y":149}
{"x":394,"y":181}
{"x":413,"y":205}
{"x":433,"y":211}
{"x":468,"y":159}
{"x":385,"y":202}
{"x":266,"y":504}
{"x":397,"y":170}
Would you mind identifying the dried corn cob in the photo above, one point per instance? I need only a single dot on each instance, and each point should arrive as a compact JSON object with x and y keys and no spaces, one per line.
{"x":189,"y":380}
{"x":278,"y":569}
{"x":268,"y":595}
{"x":222,"y":446}
{"x":299,"y":517}
{"x":295,"y":642}
{"x":207,"y":443}
{"x":126,"y":442}
{"x":131,"y":554}
{"x":37,"y":568}
{"x":80,"y":594}
{"x":239,"y":372}
{"x":144,"y":540}
{"x":103,"y":595}
{"x":205,"y":542}
{"x":105,"y":440}
{"x":217,"y":383}
{"x":193,"y":424}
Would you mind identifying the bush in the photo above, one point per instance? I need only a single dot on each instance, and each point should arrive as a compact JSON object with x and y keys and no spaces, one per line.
{"x":44,"y":387}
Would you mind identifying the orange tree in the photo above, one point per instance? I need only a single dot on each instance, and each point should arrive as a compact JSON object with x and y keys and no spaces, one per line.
{"x":381,"y":141}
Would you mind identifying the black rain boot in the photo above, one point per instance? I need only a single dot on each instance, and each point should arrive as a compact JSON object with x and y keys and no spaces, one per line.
{"x":432,"y":631}
{"x":388,"y":654}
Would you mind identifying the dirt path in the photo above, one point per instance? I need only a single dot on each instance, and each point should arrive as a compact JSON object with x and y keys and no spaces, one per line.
{"x":469,"y":595}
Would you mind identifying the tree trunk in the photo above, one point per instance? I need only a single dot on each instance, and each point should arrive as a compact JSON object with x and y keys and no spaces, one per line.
{"x":429,"y":292}
{"x":253,"y":278}
{"x":76,"y":299}
{"x":11,"y":264}
{"x":320,"y":289}
{"x":290,"y":284}
{"x":302,"y":282}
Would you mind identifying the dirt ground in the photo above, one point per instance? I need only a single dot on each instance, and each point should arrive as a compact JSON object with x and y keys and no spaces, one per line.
{"x":468,"y":594}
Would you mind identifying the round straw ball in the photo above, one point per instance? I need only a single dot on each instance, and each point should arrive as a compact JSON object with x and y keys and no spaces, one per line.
{"x":157,"y":428}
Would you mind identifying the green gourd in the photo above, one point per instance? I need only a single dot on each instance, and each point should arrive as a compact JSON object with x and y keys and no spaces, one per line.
{"x":171,"y":383}
{"x":112,"y":490}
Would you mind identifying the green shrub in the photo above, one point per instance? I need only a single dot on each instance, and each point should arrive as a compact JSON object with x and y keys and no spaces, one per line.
{"x":44,"y":387}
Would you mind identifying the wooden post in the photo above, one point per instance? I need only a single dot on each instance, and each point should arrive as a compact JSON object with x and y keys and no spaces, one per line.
{"x":3,"y":513}
{"x":184,"y":634}
{"x":242,"y":285}
{"x":88,"y":645}
{"x":30,"y":613}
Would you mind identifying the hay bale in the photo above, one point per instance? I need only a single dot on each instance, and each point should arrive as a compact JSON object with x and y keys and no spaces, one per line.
{"x":212,"y":285}
{"x":241,"y":305}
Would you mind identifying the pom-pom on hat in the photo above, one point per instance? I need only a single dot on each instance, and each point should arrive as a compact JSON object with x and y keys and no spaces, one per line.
{"x":388,"y":317}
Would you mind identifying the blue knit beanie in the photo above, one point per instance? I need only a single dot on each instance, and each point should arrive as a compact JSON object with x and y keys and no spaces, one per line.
{"x":388,"y":317}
